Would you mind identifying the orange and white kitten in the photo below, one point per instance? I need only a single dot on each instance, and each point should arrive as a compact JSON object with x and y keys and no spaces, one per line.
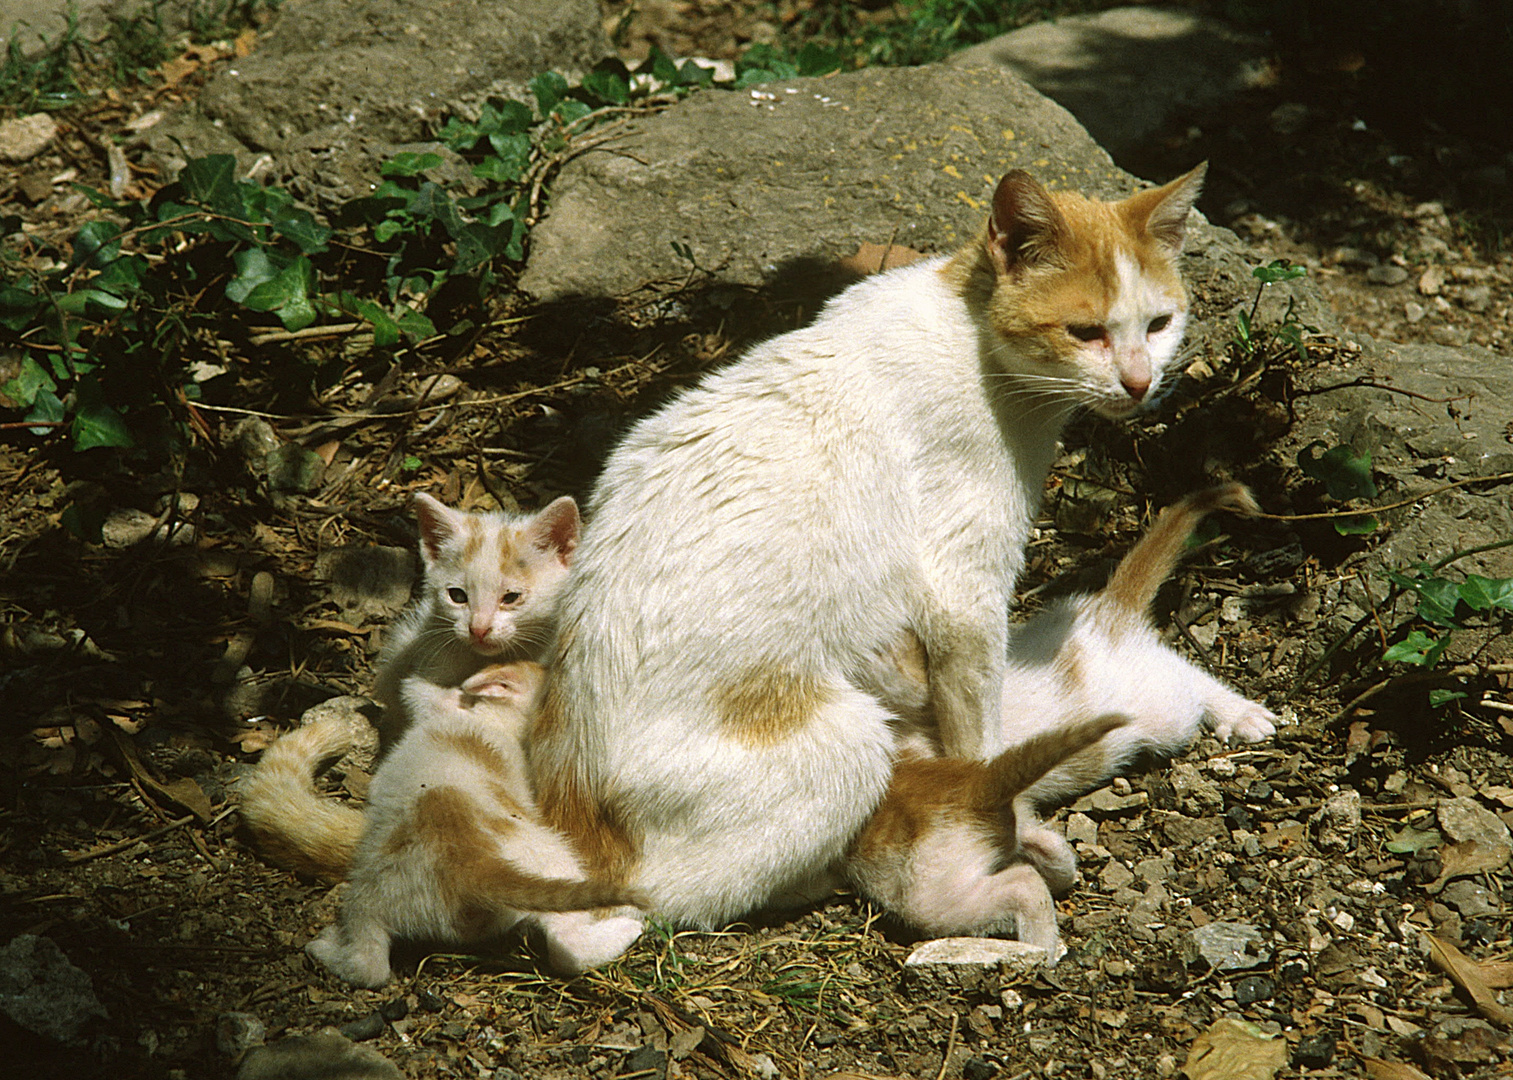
{"x":489,"y":595}
{"x":706,"y":734}
{"x":1089,"y":655}
{"x":452,"y":849}
{"x":943,"y":850}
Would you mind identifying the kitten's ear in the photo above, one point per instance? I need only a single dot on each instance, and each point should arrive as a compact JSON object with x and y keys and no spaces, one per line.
{"x":1162,"y":212}
{"x":1025,"y":225}
{"x":518,"y":679}
{"x":438,"y":524}
{"x":556,"y":528}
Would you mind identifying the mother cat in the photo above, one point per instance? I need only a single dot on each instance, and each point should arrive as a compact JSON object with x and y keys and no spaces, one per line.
{"x":755,"y":545}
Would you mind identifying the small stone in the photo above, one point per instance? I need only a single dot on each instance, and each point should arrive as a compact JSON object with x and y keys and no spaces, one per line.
{"x":1414,"y":312}
{"x":238,"y":1032}
{"x":312,"y":1057}
{"x":1432,"y":281}
{"x":1337,"y":821}
{"x":24,"y":137}
{"x":43,"y":992}
{"x":1466,"y":819}
{"x":951,"y":965}
{"x":1106,"y":802}
{"x":1115,"y":876}
{"x":1229,"y":946}
{"x":1154,"y":871}
{"x":35,"y":187}
{"x":127,"y":527}
{"x":1477,"y":298}
{"x":1232,"y":609}
{"x":364,"y":1028}
{"x":1253,"y":988}
{"x":1470,"y":899}
{"x":394,"y":1010}
{"x":1081,"y":829}
{"x":1387,"y":274}
{"x":1314,"y":1052}
{"x":646,"y":1059}
{"x":975,"y":1068}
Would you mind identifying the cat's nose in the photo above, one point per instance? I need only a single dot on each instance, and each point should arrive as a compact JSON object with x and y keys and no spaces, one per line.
{"x":1135,"y":387}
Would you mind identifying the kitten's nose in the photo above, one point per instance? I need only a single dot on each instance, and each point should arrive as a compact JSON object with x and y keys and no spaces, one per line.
{"x":1135,"y":387}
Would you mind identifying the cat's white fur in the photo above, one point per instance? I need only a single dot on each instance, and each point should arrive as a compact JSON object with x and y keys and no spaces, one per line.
{"x":705,"y":735}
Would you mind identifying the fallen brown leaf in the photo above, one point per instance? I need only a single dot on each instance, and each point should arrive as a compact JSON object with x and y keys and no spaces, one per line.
{"x":1235,"y":1050}
{"x":1466,"y":973}
{"x":1379,"y":1069}
{"x":1467,"y":857}
{"x":870,"y":258}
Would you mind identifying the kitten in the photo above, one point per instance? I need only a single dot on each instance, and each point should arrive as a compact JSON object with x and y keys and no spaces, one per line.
{"x":943,"y":851}
{"x":489,"y":595}
{"x":1084,"y":656}
{"x":451,"y":848}
{"x":706,"y":733}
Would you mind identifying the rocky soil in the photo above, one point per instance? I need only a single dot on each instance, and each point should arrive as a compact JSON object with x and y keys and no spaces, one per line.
{"x":1331,"y":903}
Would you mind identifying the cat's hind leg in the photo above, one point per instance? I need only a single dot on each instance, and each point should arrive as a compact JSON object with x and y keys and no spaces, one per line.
{"x":579,"y":940}
{"x":356,"y":951}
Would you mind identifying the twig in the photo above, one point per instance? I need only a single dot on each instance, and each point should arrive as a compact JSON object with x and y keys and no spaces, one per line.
{"x":950,"y":1048}
{"x":1380,"y":386}
{"x":122,"y":845}
{"x":1494,"y":478}
{"x":331,"y":330}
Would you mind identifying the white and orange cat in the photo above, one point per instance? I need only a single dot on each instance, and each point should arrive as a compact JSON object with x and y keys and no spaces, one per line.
{"x":451,"y":848}
{"x":489,"y":595}
{"x":707,"y":734}
{"x":959,"y":847}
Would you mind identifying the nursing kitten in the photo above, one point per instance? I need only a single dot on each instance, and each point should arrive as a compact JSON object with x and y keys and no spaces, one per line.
{"x":1085,"y":655}
{"x":706,"y":735}
{"x":489,"y":594}
{"x":451,"y":847}
{"x":942,"y":852}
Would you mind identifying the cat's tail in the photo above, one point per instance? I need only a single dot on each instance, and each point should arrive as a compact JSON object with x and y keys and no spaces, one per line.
{"x":295,"y":826}
{"x":1132,"y":588}
{"x":1018,"y":768}
{"x":500,"y":885}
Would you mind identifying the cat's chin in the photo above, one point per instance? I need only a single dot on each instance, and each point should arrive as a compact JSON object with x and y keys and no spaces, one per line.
{"x":1117,"y":409}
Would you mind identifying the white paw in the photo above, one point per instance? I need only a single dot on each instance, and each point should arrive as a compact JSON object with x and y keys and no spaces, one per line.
{"x":1243,"y":721}
{"x":579,"y":940}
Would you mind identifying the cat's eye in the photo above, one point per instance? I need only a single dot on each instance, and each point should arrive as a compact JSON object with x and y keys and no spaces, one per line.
{"x":1087,"y":331}
{"x":1158,"y":324}
{"x":510,"y":599}
{"x":457,"y":596}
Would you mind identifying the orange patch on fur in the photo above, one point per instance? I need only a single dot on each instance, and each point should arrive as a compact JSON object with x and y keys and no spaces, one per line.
{"x":607,"y":846}
{"x":767,"y":705}
{"x":471,"y":747}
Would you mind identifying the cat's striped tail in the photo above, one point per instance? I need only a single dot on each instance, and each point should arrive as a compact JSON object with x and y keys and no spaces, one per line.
{"x":296,"y":826}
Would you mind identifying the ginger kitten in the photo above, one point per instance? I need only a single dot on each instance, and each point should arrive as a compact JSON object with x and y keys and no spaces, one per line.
{"x":451,"y":848}
{"x":489,"y":594}
{"x":708,"y":734}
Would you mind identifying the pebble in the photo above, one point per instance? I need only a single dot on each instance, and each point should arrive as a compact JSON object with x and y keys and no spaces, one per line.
{"x":1386,"y":275}
{"x":1106,"y":802}
{"x":1470,"y":899}
{"x":951,"y":965}
{"x":1253,"y":988}
{"x":1414,"y":312}
{"x":1466,"y":819}
{"x":24,"y":137}
{"x":1229,"y":946}
{"x":238,"y":1032}
{"x":1477,"y":298}
{"x":1314,"y":1052}
{"x":1337,"y":821}
{"x":364,"y":1028}
{"x":1115,"y":876}
{"x":1432,"y":281}
{"x":313,"y":1057}
{"x":43,"y":992}
{"x":128,"y":527}
{"x":1081,"y":829}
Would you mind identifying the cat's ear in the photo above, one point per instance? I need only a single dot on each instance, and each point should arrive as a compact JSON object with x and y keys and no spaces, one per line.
{"x":556,"y":528}
{"x":1025,"y":226}
{"x":1161,"y":212}
{"x":438,"y":524}
{"x":519,"y":679}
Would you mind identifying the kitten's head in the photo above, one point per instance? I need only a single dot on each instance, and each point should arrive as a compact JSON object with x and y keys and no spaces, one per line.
{"x":497,"y":576}
{"x":1084,"y":298}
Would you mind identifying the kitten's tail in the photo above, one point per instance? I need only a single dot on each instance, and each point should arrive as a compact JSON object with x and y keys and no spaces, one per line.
{"x":1132,"y":588}
{"x":295,"y":826}
{"x":501,"y":885}
{"x":1012,"y":772}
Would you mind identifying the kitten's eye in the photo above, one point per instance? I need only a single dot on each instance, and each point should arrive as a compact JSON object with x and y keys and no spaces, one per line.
{"x":1158,"y":324}
{"x":510,"y":599}
{"x":1087,"y":331}
{"x":457,"y":596}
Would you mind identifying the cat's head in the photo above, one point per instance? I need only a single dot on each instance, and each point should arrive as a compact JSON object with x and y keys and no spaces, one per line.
{"x":497,"y":576}
{"x":1084,"y":298}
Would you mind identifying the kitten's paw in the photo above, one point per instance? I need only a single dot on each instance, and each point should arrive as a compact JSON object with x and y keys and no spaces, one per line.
{"x":579,"y":940}
{"x":361,"y":963}
{"x":1242,"y":721}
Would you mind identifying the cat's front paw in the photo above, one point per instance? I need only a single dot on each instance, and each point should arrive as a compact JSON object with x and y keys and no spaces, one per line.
{"x":1243,"y":721}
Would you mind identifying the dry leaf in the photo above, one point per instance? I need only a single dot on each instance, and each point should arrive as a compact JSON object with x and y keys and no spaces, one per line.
{"x":179,"y":68}
{"x":1378,"y":1069}
{"x":1466,"y":973}
{"x":1467,"y":857}
{"x":870,"y":258}
{"x":258,"y":736}
{"x":245,"y":42}
{"x":1498,"y":974}
{"x":1235,"y":1050}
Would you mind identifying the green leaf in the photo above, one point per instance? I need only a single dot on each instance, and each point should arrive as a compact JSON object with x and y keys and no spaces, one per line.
{"x":385,"y":329}
{"x":1345,"y":473}
{"x":415,"y":325}
{"x":513,"y":150}
{"x":96,"y":422}
{"x":98,"y":198}
{"x":46,"y":409}
{"x":254,"y":267}
{"x":1356,"y":525}
{"x":410,"y":464}
{"x":87,"y":522}
{"x":18,"y":307}
{"x":1418,"y":649}
{"x":31,"y":380}
{"x":408,"y":163}
{"x":1410,"y":841}
{"x":691,"y":74}
{"x":549,"y":88}
{"x":477,"y":243}
{"x":1481,"y":593}
{"x":502,"y":116}
{"x":287,"y":294}
{"x":211,"y":181}
{"x":608,"y":83}
{"x":1444,"y":697}
{"x":1277,"y":270}
{"x":300,"y":226}
{"x":1436,"y":597}
{"x":571,"y":111}
{"x":816,"y":59}
{"x":96,"y":244}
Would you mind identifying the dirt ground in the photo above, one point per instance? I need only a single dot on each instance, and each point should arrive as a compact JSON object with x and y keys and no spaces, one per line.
{"x":140,"y":680}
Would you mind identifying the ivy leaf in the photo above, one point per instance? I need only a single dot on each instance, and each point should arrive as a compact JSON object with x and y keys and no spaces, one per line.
{"x":46,"y":409}
{"x":504,"y":117}
{"x":549,"y":88}
{"x":18,"y":307}
{"x":1436,"y":597}
{"x":31,"y":380}
{"x":1345,"y":473}
{"x":608,"y":83}
{"x":254,"y":267}
{"x":1481,"y":593}
{"x":1278,"y":270}
{"x":300,"y":226}
{"x":1444,"y":697}
{"x":408,"y":163}
{"x":477,"y":243}
{"x":96,"y":422}
{"x":816,"y":59}
{"x":415,"y":325}
{"x":96,"y":244}
{"x":287,"y":294}
{"x":571,"y":111}
{"x":211,"y":181}
{"x":1356,"y":525}
{"x":1418,"y":649}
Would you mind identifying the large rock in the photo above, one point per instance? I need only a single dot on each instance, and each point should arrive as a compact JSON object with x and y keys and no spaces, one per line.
{"x":335,"y":85}
{"x":1128,"y":72}
{"x":758,"y":182}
